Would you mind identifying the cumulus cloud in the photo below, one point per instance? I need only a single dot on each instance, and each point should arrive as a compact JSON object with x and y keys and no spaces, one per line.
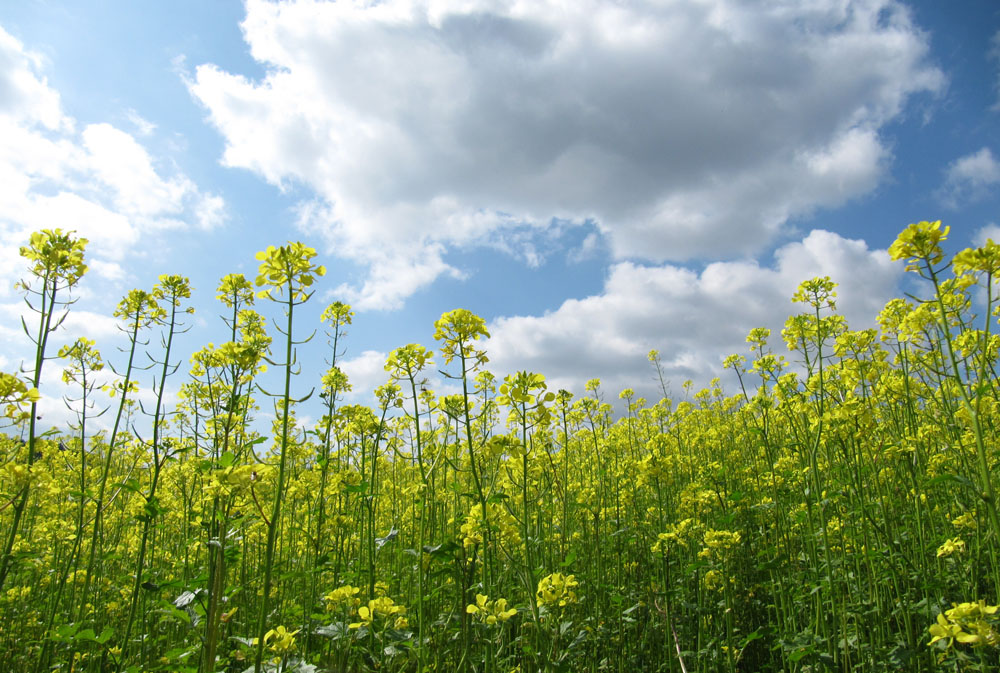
{"x":693,"y":319}
{"x":23,"y":93}
{"x":970,"y":178}
{"x":99,"y":180}
{"x":680,"y":130}
{"x":990,"y":232}
{"x":365,"y":372}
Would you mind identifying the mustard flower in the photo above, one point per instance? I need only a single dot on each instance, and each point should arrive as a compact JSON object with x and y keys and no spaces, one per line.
{"x":556,"y":589}
{"x":280,"y":640}
{"x":951,"y":546}
{"x":490,"y":612}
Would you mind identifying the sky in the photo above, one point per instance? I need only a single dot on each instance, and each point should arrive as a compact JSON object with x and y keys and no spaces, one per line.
{"x":594,"y":178}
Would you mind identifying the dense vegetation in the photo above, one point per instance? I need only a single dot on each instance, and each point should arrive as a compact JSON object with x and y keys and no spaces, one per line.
{"x":839,"y":515}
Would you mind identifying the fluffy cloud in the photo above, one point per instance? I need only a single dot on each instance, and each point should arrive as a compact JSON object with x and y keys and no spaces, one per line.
{"x":989,"y":232}
{"x":23,"y":94}
{"x":970,"y":178}
{"x":365,"y":372}
{"x":99,"y":180}
{"x":681,"y":130}
{"x":693,"y":319}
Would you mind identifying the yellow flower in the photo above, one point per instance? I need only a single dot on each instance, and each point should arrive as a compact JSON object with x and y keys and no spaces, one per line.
{"x":944,"y":630}
{"x":344,"y":596}
{"x":280,"y":640}
{"x":951,"y":546}
{"x":383,"y":606}
{"x":490,"y":612}
{"x":56,"y":255}
{"x":556,"y":589}
{"x":365,"y":614}
{"x":968,"y":623}
{"x":713,"y":580}
{"x":920,"y":241}
{"x":967,"y":520}
{"x":288,"y":265}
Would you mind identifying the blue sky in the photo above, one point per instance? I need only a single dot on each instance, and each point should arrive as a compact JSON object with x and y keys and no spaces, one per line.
{"x":595,"y":179}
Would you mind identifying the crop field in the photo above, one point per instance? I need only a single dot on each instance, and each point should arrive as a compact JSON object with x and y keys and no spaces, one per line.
{"x":837,"y":513}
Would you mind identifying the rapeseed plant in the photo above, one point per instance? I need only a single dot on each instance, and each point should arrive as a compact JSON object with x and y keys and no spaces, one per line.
{"x":821,"y":518}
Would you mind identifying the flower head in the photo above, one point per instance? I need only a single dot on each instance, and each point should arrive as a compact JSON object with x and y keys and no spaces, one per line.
{"x":556,"y":589}
{"x":919,"y":242}
{"x":490,"y":612}
{"x":280,"y":640}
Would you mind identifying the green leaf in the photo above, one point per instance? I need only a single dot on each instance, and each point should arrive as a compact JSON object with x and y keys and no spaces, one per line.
{"x":799,"y":653}
{"x":105,"y":636}
{"x":130,"y":484}
{"x":954,"y":478}
{"x":357,"y":488}
{"x":756,"y":635}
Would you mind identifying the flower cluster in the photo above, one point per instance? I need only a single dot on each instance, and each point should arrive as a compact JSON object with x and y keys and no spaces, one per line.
{"x":280,"y":640}
{"x":968,"y":623}
{"x":382,"y":607}
{"x":344,"y":598}
{"x":556,"y":590}
{"x":718,"y":543}
{"x":490,"y":612}
{"x":500,"y":520}
{"x":951,"y":546}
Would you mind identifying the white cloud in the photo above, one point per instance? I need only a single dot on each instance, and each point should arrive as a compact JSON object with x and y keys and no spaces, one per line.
{"x":970,"y":178}
{"x":143,"y":126}
{"x":100,"y":182}
{"x":693,"y":319}
{"x":365,"y":372}
{"x":108,"y":270}
{"x":101,"y":328}
{"x":124,"y":166}
{"x":210,"y":211}
{"x":682,"y":130}
{"x":25,"y":95}
{"x":586,"y":250}
{"x":989,"y":232}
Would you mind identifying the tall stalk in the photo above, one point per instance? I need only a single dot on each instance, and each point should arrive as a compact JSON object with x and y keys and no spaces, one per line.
{"x":56,"y":265}
{"x":85,"y":360}
{"x":287,"y":274}
{"x":238,"y":363}
{"x":406,"y":364}
{"x":138,"y":309}
{"x":170,"y":290}
{"x":334,"y":383}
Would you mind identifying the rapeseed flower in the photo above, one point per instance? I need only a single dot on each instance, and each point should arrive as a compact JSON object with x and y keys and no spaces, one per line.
{"x":280,"y":640}
{"x":490,"y":612}
{"x":556,"y":589}
{"x":951,"y":546}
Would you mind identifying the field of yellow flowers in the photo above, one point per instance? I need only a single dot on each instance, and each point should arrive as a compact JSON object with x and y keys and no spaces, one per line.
{"x":837,"y":514}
